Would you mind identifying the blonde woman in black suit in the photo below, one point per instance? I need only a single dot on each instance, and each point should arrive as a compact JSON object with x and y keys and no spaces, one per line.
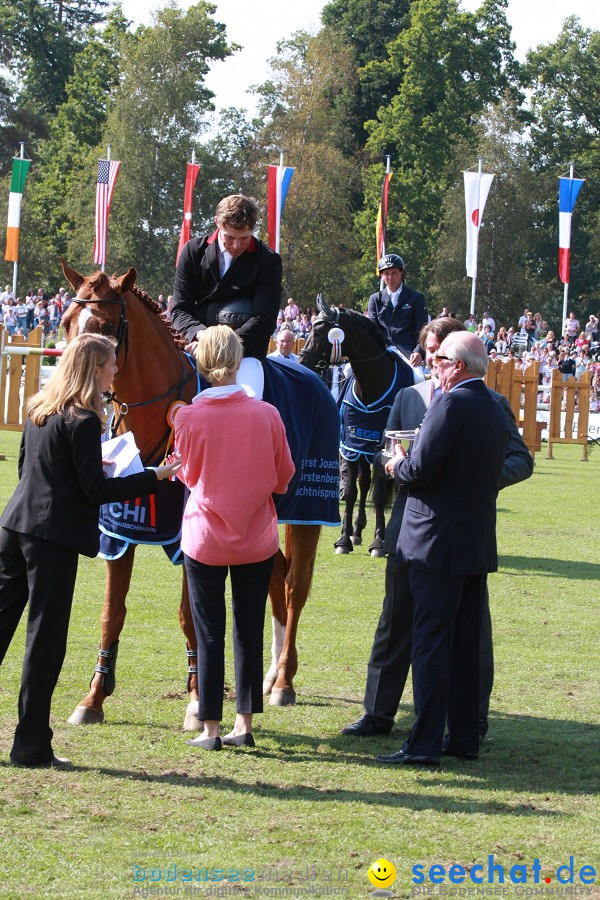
{"x":51,"y":518}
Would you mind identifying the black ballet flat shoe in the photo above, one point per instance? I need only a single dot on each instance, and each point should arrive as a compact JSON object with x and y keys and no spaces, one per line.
{"x":240,"y":740}
{"x":206,"y":743}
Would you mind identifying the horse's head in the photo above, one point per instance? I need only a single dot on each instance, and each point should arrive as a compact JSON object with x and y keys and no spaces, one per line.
{"x":325,"y":338}
{"x":98,"y":305}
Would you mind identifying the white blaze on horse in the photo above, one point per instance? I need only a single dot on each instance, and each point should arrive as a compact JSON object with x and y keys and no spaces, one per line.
{"x":366,"y":397}
{"x":154,"y":372}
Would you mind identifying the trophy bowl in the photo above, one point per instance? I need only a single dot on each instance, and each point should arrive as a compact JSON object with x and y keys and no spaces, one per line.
{"x":393,"y":438}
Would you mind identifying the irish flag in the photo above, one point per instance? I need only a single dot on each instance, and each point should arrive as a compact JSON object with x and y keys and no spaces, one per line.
{"x":568,"y":189}
{"x":19,"y":174}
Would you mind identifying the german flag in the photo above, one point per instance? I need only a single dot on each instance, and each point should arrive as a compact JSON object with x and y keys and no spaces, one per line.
{"x":382,"y":214}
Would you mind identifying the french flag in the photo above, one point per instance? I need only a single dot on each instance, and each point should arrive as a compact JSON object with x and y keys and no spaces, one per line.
{"x":568,"y":190}
{"x":279,"y":179}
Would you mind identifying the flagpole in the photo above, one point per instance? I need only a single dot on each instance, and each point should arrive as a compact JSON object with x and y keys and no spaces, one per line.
{"x":566,"y":287}
{"x":15,"y":263}
{"x":474,"y":279}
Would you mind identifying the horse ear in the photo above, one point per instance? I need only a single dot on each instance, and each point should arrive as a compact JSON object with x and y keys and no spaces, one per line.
{"x":323,"y":306}
{"x":127,"y":281}
{"x":73,"y":277}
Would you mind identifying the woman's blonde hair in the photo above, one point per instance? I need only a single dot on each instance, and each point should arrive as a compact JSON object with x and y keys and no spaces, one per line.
{"x":73,"y":384}
{"x":219,"y":353}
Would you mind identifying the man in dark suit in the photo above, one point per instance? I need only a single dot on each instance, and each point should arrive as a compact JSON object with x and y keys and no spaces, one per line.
{"x":399,"y":311}
{"x":448,"y":540}
{"x":230,"y":278}
{"x":389,"y":662}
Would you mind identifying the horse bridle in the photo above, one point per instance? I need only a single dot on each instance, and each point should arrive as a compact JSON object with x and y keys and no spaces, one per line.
{"x":122,"y":338}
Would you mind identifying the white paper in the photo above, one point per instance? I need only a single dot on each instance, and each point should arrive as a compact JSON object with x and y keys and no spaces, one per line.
{"x":123,"y":454}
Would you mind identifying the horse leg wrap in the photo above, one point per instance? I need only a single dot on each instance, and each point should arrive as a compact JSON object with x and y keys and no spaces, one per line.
{"x":108,"y":671}
{"x":192,"y":669}
{"x":344,"y":542}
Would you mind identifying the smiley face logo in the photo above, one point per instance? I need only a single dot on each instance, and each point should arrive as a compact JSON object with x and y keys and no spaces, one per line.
{"x":382,"y":873}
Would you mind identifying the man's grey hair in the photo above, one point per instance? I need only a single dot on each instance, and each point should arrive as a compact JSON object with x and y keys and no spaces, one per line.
{"x":468,"y":347}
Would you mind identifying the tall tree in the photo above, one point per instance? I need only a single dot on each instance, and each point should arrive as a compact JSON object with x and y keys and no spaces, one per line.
{"x":509,"y":275}
{"x":40,"y":40}
{"x":449,"y":65}
{"x":368,"y":27}
{"x":562,"y":79}
{"x":48,"y":213}
{"x":158,"y":111}
{"x":304,"y":111}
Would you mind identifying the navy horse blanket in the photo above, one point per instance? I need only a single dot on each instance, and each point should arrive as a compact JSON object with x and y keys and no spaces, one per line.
{"x":362,"y":427}
{"x":311,"y":421}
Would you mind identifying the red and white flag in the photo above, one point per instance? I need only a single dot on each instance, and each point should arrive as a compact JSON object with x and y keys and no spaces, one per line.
{"x":105,"y":185}
{"x":477,"y":188}
{"x":186,"y":225}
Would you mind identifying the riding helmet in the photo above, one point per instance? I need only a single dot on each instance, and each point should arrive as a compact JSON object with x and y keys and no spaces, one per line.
{"x":390,"y":261}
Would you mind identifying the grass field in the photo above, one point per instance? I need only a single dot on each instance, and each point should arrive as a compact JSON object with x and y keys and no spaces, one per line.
{"x":310,"y":807}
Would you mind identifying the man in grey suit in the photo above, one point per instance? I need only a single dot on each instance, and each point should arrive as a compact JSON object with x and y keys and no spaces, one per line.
{"x":391,"y":652}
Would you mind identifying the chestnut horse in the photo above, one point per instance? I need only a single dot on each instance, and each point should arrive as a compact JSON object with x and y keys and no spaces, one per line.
{"x":378,"y":373}
{"x":154,"y":372}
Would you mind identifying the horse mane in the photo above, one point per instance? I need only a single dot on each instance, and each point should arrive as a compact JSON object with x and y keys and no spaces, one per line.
{"x":147,"y":301}
{"x":365,"y":323}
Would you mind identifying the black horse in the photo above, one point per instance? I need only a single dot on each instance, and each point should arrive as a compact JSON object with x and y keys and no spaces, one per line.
{"x":366,"y":397}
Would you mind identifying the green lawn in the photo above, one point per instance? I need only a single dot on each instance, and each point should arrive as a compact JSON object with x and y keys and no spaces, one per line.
{"x":310,"y":805}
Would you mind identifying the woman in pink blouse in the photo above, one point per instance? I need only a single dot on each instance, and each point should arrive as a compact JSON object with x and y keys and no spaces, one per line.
{"x":235,"y":455}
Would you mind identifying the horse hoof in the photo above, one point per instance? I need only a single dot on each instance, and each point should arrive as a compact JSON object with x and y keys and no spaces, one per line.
{"x":356,"y":540}
{"x":191,"y":721}
{"x":86,"y":715}
{"x":344,"y":550}
{"x":377,"y":552}
{"x":282,"y":697}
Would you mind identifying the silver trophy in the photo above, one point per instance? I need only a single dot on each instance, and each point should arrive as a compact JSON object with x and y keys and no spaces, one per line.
{"x":393,"y":438}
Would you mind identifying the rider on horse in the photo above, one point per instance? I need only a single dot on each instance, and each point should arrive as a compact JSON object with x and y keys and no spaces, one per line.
{"x":230,"y":278}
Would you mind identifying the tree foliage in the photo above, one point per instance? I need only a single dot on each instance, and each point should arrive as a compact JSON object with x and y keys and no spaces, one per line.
{"x":304,"y":110}
{"x":450,"y":65}
{"x":563,"y":79}
{"x":40,"y":40}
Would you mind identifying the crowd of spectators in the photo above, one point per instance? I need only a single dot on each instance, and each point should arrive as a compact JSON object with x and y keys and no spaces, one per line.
{"x":575,"y":351}
{"x":22,"y":314}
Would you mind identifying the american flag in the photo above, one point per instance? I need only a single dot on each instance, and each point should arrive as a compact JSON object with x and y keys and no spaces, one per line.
{"x":107,"y":176}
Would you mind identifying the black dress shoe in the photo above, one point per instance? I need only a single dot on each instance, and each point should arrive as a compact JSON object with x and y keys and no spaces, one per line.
{"x":402,"y":758}
{"x":239,"y":740}
{"x":367,"y":726}
{"x":449,"y":750}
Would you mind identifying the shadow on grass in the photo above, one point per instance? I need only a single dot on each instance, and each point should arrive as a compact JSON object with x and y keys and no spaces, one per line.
{"x":525,"y":755}
{"x":564,"y":568}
